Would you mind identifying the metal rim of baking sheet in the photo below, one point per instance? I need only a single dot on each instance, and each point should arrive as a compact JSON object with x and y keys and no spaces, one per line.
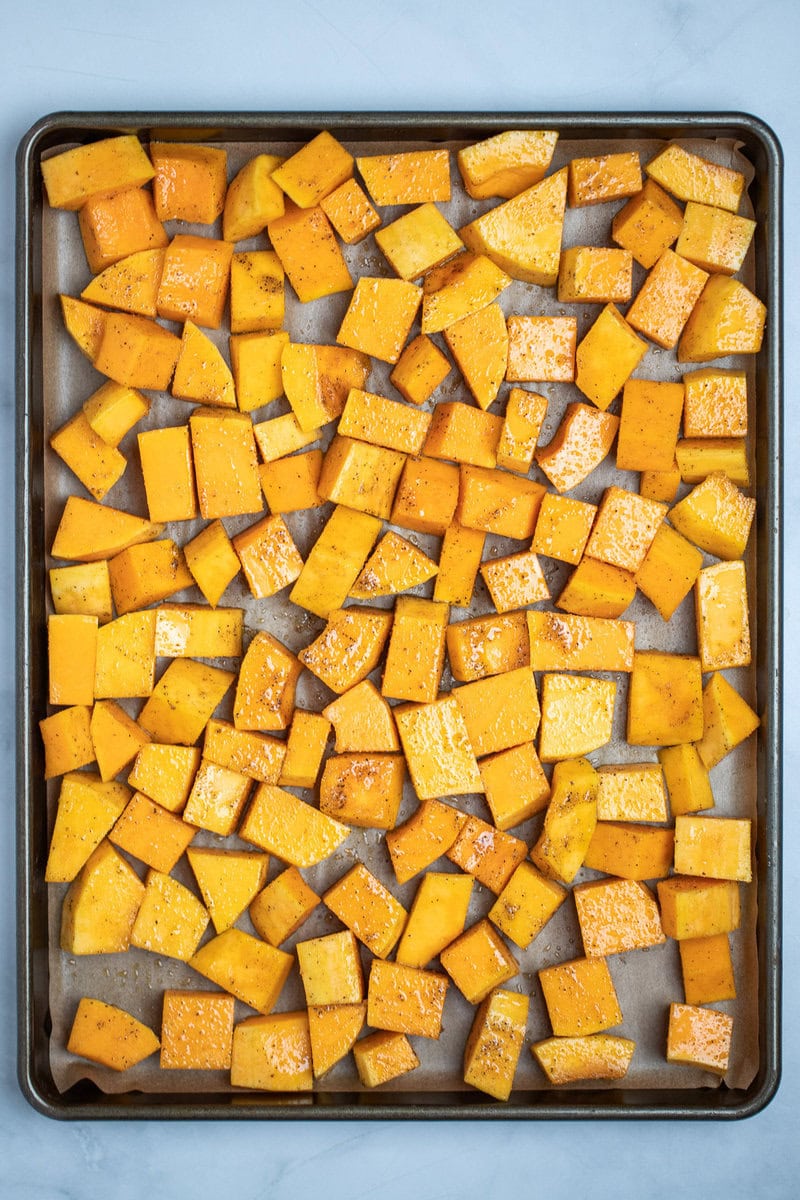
{"x":84,"y":1101}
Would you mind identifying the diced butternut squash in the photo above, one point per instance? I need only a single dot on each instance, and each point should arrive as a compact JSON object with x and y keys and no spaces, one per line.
{"x":489,"y":854}
{"x":363,"y":789}
{"x":458,"y":289}
{"x":110,"y":1036}
{"x":101,"y":904}
{"x":716,"y":516}
{"x":196,"y":1031}
{"x":649,"y":423}
{"x":482,"y":646}
{"x":574,"y":1059}
{"x":699,"y":1037}
{"x":580,"y":996}
{"x":335,"y":561}
{"x":507,"y":163}
{"x":365,"y":906}
{"x":362,"y":720}
{"x":403,"y":999}
{"x":266,"y":685}
{"x":479,"y":961}
{"x":195,"y":280}
{"x":714,"y":239}
{"x":116,"y":224}
{"x":479,"y":344}
{"x":251,"y":970}
{"x":577,"y":715}
{"x":523,"y":235}
{"x":417,"y":241}
{"x":383,"y":1056}
{"x":526,"y":904}
{"x":168,"y":473}
{"x":171,"y":920}
{"x":252,"y":199}
{"x":330,"y":968}
{"x":693,"y":907}
{"x":305,"y":748}
{"x":406,"y":177}
{"x":516,"y":786}
{"x":415,"y":657}
{"x":350,"y":213}
{"x":581,"y":442}
{"x":292,"y":830}
{"x":437,"y":917}
{"x":594,"y":275}
{"x":630,"y":851}
{"x":228,"y":880}
{"x":569,"y":820}
{"x":563,"y":527}
{"x":566,"y":642}
{"x":87,"y":809}
{"x":420,"y":369}
{"x":314,"y":170}
{"x":727,"y":319}
{"x":436,"y":744}
{"x":728,"y":720}
{"x":616,"y":915}
{"x":495,"y":1042}
{"x":225,"y":463}
{"x":304,"y":241}
{"x":647,"y":224}
{"x":75,"y":177}
{"x":689,"y":176}
{"x":515,"y":581}
{"x":424,"y":837}
{"x":379,"y":317}
{"x":665,"y":699}
{"x":182,"y":701}
{"x":273,"y":1053}
{"x":607,"y":356}
{"x":707,"y":969}
{"x":282,"y":906}
{"x":384,"y":422}
{"x":541,"y":349}
{"x":348,"y":648}
{"x":396,"y":565}
{"x":686,"y":777}
{"x":604,"y":177}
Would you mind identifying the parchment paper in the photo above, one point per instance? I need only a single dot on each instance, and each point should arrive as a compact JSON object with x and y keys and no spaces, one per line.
{"x":646,"y":981}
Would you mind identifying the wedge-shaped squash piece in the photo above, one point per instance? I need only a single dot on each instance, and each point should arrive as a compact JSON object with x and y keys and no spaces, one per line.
{"x":574,"y":1059}
{"x":67,"y":740}
{"x":112,"y":226}
{"x":228,"y":880}
{"x":437,"y":748}
{"x":84,"y":323}
{"x":333,"y":1029}
{"x":281,"y":908}
{"x":384,"y":422}
{"x":523,"y":235}
{"x":479,"y":344}
{"x":499,"y":712}
{"x":495,"y":1042}
{"x":363,"y":789}
{"x":569,"y":820}
{"x":272,"y":1053}
{"x":607,"y":356}
{"x":479,"y":961}
{"x":225,"y":463}
{"x":616,"y":915}
{"x":597,"y":589}
{"x":266,"y":685}
{"x":458,"y":289}
{"x":183,"y":700}
{"x":406,"y":1000}
{"x":577,"y":715}
{"x":630,"y":851}
{"x":507,"y":163}
{"x":314,"y":170}
{"x":526,"y":904}
{"x":437,"y":917}
{"x":137,"y":352}
{"x":349,"y":647}
{"x":362,"y":720}
{"x":665,"y":699}
{"x":417,"y":241}
{"x":116,"y":738}
{"x":716,"y":516}
{"x":143,"y":574}
{"x":365,"y":906}
{"x":581,"y":442}
{"x":488,"y":854}
{"x":87,"y":809}
{"x":126,"y":662}
{"x":699,"y":1037}
{"x":396,"y":565}
{"x":406,"y":177}
{"x":349,"y":211}
{"x":292,"y":830}
{"x":424,"y":837}
{"x":212,"y":560}
{"x":482,"y":646}
{"x":249,"y":969}
{"x":130,"y":284}
{"x":335,"y":561}
{"x":689,"y":176}
{"x":379,"y":317}
{"x":727,"y":720}
{"x":415,"y":658}
{"x":317,"y":380}
{"x":304,"y":241}
{"x":516,"y":786}
{"x":383,"y":1056}
{"x":201,"y":373}
{"x":256,"y":367}
{"x":101,"y":904}
{"x":110,"y":1036}
{"x":252,"y":199}
{"x":330,"y":968}
{"x":171,"y":920}
{"x":97,"y":465}
{"x":88,"y":532}
{"x":74,"y":177}
{"x":727,"y":319}
{"x":566,"y":642}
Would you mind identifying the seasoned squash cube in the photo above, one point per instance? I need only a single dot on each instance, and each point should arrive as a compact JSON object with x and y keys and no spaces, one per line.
{"x":563,"y":527}
{"x":665,"y":699}
{"x":597,"y":589}
{"x":252,"y":199}
{"x":631,"y":792}
{"x":594,"y":275}
{"x":225,"y":463}
{"x":714,"y":239}
{"x":151,"y":833}
{"x":580,"y":996}
{"x":716,"y":516}
{"x":526,"y":904}
{"x":699,"y":1037}
{"x":425,"y":836}
{"x":437,"y":916}
{"x":273,"y":1053}
{"x":317,"y":381}
{"x":523,"y":234}
{"x":669,"y":570}
{"x":87,"y":808}
{"x":426,"y":496}
{"x":196,"y":1031}
{"x":417,"y":241}
{"x":403,"y":999}
{"x":692,"y":908}
{"x":415,"y":658}
{"x":195,"y":280}
{"x":348,"y":648}
{"x":660,"y":485}
{"x":630,"y":851}
{"x":479,"y":961}
{"x":117,"y":224}
{"x":498,"y":502}
{"x":305,"y":747}
{"x":406,"y":177}
{"x":604,"y":177}
{"x":568,"y":642}
{"x":71,"y":651}
{"x":500,"y":711}
{"x":489,"y":854}
{"x":464,"y":434}
{"x":541,"y":349}
{"x":280,"y":436}
{"x":76,"y":177}
{"x":571,"y":1060}
{"x":291,"y":484}
{"x":379,"y":317}
{"x":479,"y":344}
{"x":246,"y":967}
{"x":110,"y":1036}
{"x":577,"y":715}
{"x":190,"y":181}
{"x":257,"y":292}
{"x":522,"y":423}
{"x":314,"y":170}
{"x":217,"y":798}
{"x":516,"y":786}
{"x":269,"y":557}
{"x":721,"y":611}
{"x":691,"y":177}
{"x":436,"y":744}
{"x":282,"y":906}
{"x":254,"y":754}
{"x":459,"y":560}
{"x":495,"y":1042}
{"x":649,"y":424}
{"x":420,"y":369}
{"x":116,"y":738}
{"x":396,"y":565}
{"x":168,"y":472}
{"x":699,"y":457}
{"x":569,"y":820}
{"x":84,"y":589}
{"x":727,"y":720}
{"x":482,"y":646}
{"x":713,"y":847}
{"x":383,"y":422}
{"x":581,"y":442}
{"x":350,"y":212}
{"x":141,"y":575}
{"x":256,"y":367}
{"x":304,"y":241}
{"x":335,"y":560}
{"x":707,"y":969}
{"x":607,"y":356}
{"x":647,"y":224}
{"x":137,"y":352}
{"x":727,"y":319}
{"x":333,"y":1029}
{"x":383,"y":1056}
{"x":96,"y":464}
{"x":362,"y":720}
{"x":364,"y":790}
{"x":171,"y":920}
{"x":101,"y":904}
{"x":330,"y":969}
{"x":624,"y":528}
{"x":296,"y":832}
{"x":616,"y":915}
{"x":459,"y":289}
{"x":183,"y":700}
{"x":686,"y":777}
{"x":507,"y":163}
{"x":228,"y":880}
{"x":266,"y":686}
{"x":165,"y":773}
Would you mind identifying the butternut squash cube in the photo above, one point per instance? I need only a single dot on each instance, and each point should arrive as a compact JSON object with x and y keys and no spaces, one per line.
{"x":101,"y":904}
{"x":228,"y":880}
{"x":67,"y":740}
{"x":350,"y":212}
{"x":273,"y":1053}
{"x":507,"y":163}
{"x":348,"y":648}
{"x":182,"y":701}
{"x":116,"y":738}
{"x":594,"y":275}
{"x":606,"y":357}
{"x":330,"y":968}
{"x":317,"y":381}
{"x":716,"y":516}
{"x":305,"y":243}
{"x":335,"y":561}
{"x":647,"y":224}
{"x":75,"y":177}
{"x":165,"y":773}
{"x":420,"y":369}
{"x":523,"y":235}
{"x":479,"y":344}
{"x":438,"y":915}
{"x":426,"y":496}
{"x":459,"y":560}
{"x":280,"y":823}
{"x":248,"y":968}
{"x":142,"y":575}
{"x":282,"y":906}
{"x":114,"y":225}
{"x":71,"y":651}
{"x":195,"y":280}
{"x":437,"y":749}
{"x":669,"y":570}
{"x":168,"y":472}
{"x":713,"y":847}
{"x":624,"y":528}
{"x":692,"y":177}
{"x":151,"y":833}
{"x":333,"y":1029}
{"x":563,"y":527}
{"x":136,"y":352}
{"x":597,"y":589}
{"x":604,"y":177}
{"x":305,"y":746}
{"x":569,"y":820}
{"x":256,"y":367}
{"x":403,"y":999}
{"x":382,"y":1056}
{"x":686,"y":777}
{"x":415,"y":658}
{"x":714,"y":239}
{"x":110,"y":1036}
{"x":190,"y":181}
{"x":362,"y":720}
{"x":84,"y":590}
{"x":649,"y":423}
{"x":660,"y":485}
{"x":280,"y":436}
{"x":125,"y":661}
{"x":373,"y":418}
{"x":269,"y":557}
{"x":662,"y":305}
{"x":574,"y":1059}
{"x":87,"y":809}
{"x":254,"y":754}
{"x":363,"y":789}
{"x":567,"y":642}
{"x":526,"y":904}
{"x":495,"y":1042}
{"x":217,"y":798}
{"x":721,"y":610}
{"x":699,"y":1037}
{"x":196,"y":1031}
{"x":699,"y":457}
{"x":257,"y":292}
{"x":630,"y":851}
{"x":631,"y":792}
{"x":314,"y":170}
{"x":266,"y":685}
{"x":464,"y":434}
{"x":252,"y":199}
{"x":417,"y":241}
{"x":516,"y":786}
{"x":525,"y":412}
{"x":489,"y":854}
{"x":479,"y":961}
{"x":498,"y":502}
{"x":131,"y":284}
{"x":541,"y":349}
{"x":581,"y":442}
{"x":727,"y":319}
{"x":290,"y":484}
{"x":396,"y":565}
{"x":693,"y":908}
{"x":194,"y":631}
{"x":425,"y":836}
{"x":365,"y":906}
{"x":727,"y":720}
{"x":499,"y":712}
{"x":171,"y":920}
{"x":97,"y":465}
{"x":577,"y":715}
{"x":379,"y":317}
{"x":225,"y":463}
{"x":406,"y":177}
{"x":580,"y":996}
{"x":665,"y":699}
{"x":707,"y":969}
{"x":616,"y":915}
{"x":489,"y":645}
{"x":459,"y":289}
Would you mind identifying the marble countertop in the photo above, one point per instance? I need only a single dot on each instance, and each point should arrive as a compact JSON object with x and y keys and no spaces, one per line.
{"x":411,"y":54}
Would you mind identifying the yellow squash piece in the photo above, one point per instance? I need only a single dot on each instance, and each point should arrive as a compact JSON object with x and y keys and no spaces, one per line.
{"x":577,"y":715}
{"x":569,"y":821}
{"x":228,"y":880}
{"x":265,"y":689}
{"x":349,"y":647}
{"x":248,"y":968}
{"x":75,"y":177}
{"x":507,"y":163}
{"x":110,"y":1036}
{"x":130,"y":284}
{"x":292,"y":830}
{"x":252,"y":199}
{"x":272,"y":1053}
{"x":333,"y":1029}
{"x":201,"y":373}
{"x":101,"y":904}
{"x":87,"y":809}
{"x":396,"y":565}
{"x":438,"y":915}
{"x":335,"y":561}
{"x":523,"y":235}
{"x":495,"y":1042}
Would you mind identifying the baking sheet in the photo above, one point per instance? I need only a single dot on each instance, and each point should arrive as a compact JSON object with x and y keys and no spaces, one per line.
{"x":646,"y":981}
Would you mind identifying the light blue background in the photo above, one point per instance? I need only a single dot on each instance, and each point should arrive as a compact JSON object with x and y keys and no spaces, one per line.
{"x":409,"y":54}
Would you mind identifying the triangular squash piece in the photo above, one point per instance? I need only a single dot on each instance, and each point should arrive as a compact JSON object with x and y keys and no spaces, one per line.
{"x":394,"y":566}
{"x":88,"y":532}
{"x":201,"y":372}
{"x":252,"y":199}
{"x":363,"y":721}
{"x":84,"y":323}
{"x":317,"y":380}
{"x":479,"y":344}
{"x":116,"y":737}
{"x":87,"y":809}
{"x":523,"y":235}
{"x":228,"y":881}
{"x":333,"y":1029}
{"x":131,"y":284}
